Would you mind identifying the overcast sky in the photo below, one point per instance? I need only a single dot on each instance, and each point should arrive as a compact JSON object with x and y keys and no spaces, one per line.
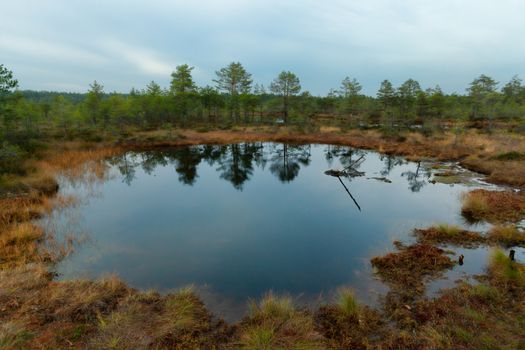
{"x":66,"y":44}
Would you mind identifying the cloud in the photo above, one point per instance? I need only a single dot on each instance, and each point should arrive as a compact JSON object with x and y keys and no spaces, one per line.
{"x":145,"y":60}
{"x":129,"y":43}
{"x":41,"y":49}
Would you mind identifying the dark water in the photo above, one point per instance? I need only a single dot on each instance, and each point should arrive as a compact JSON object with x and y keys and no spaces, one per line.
{"x":239,"y":220}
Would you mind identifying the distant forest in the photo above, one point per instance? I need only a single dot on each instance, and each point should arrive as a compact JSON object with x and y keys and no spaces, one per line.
{"x":49,"y":96}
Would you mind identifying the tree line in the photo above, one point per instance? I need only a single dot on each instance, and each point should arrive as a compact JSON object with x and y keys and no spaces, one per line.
{"x":235,"y":99}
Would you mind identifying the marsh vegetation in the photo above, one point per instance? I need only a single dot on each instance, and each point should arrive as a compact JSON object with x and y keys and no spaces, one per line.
{"x":193,"y":186}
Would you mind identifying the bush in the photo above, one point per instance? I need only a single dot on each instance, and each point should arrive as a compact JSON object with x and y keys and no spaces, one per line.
{"x":513,"y":155}
{"x":11,"y":157}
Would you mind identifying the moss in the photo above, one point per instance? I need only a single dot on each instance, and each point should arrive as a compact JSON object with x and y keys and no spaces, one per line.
{"x":408,"y":267}
{"x":445,"y":173}
{"x":449,"y":180}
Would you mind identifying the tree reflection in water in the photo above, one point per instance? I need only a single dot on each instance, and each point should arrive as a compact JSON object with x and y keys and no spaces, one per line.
{"x":287,"y":160}
{"x":235,"y":163}
{"x":418,"y":178}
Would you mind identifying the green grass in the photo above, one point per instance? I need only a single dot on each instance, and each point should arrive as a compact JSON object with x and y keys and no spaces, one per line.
{"x":505,"y":269}
{"x":180,"y":309}
{"x":462,"y":334}
{"x":347,"y":302}
{"x":473,"y":314}
{"x":448,"y":230}
{"x":13,"y":336}
{"x":513,"y":155}
{"x":274,"y":323}
{"x":259,"y":337}
{"x":484,"y":291}
{"x":449,"y":180}
{"x":272,"y":306}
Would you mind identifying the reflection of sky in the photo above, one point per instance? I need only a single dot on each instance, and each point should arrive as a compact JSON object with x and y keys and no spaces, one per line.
{"x":304,"y":236}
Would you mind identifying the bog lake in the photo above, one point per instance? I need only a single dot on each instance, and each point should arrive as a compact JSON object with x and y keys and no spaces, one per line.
{"x":236,"y":221}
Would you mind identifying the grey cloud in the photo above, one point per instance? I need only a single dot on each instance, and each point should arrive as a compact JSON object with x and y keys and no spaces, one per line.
{"x":60,"y":44}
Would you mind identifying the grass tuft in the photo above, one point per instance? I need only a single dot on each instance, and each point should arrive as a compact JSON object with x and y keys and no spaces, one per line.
{"x":448,"y":230}
{"x":347,"y":302}
{"x":506,"y":272}
{"x":493,"y":206}
{"x":258,"y":337}
{"x":509,"y":235}
{"x":274,"y":323}
{"x":484,"y":292}
{"x":474,"y":207}
{"x":272,"y":306}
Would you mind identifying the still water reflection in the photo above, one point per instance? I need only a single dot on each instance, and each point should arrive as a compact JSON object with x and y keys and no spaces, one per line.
{"x":238,"y":220}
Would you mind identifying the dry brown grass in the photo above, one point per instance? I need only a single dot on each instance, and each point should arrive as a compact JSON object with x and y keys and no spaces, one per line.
{"x":21,"y":241}
{"x":449,"y":234}
{"x":508,"y":235}
{"x":346,"y":324}
{"x":36,"y":312}
{"x":493,"y":206}
{"x":18,"y":236}
{"x":407,"y":273}
{"x":22,"y":208}
{"x":19,"y":244}
{"x":408,"y":266}
{"x":77,"y":161}
{"x":498,"y":171}
{"x":51,"y":310}
{"x":469,"y":317}
{"x":39,"y":313}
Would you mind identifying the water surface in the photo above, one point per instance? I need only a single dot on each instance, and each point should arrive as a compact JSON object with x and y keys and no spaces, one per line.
{"x":239,"y":220}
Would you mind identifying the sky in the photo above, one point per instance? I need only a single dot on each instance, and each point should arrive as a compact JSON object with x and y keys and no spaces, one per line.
{"x":64,"y":45}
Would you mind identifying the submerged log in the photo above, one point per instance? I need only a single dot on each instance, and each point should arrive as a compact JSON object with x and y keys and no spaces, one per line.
{"x":383,"y":179}
{"x":347,"y":173}
{"x":335,"y":173}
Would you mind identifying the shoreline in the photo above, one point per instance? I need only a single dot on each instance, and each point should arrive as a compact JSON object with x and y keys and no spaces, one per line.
{"x":213,"y":330}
